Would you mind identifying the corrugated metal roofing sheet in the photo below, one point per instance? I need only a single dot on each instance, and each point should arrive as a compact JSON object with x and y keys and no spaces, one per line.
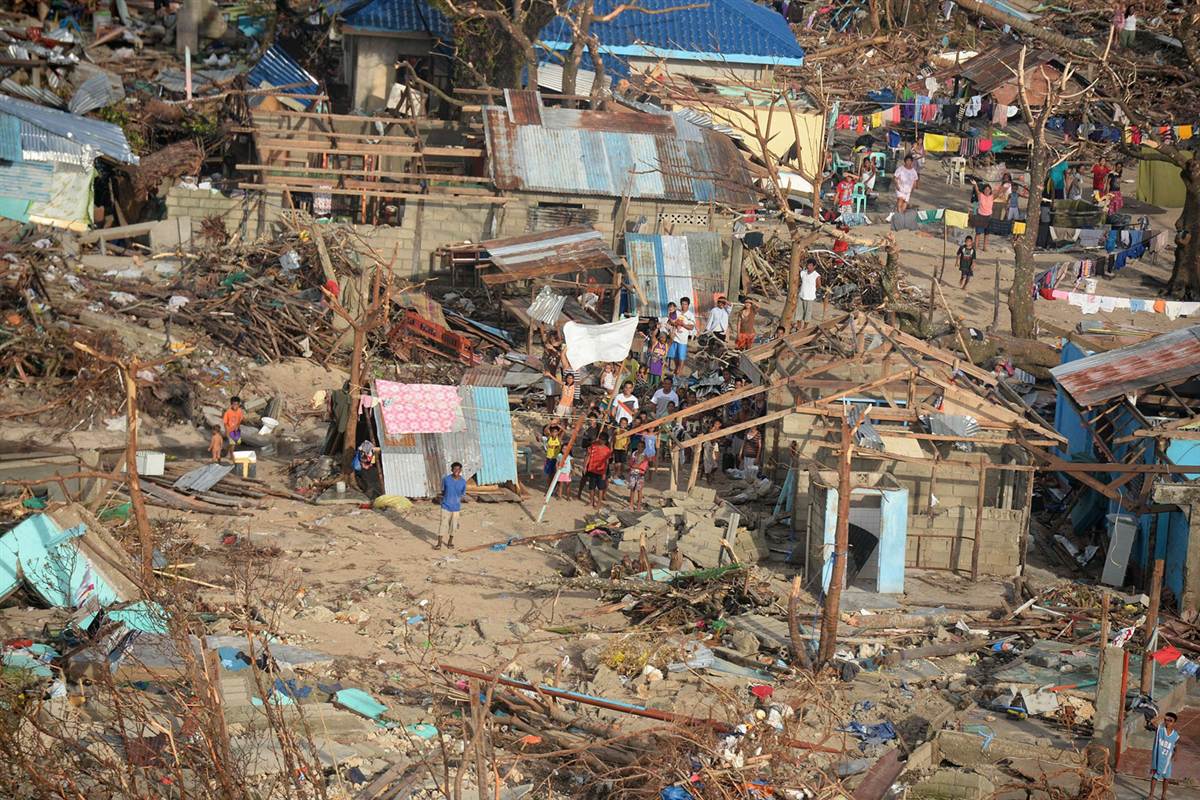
{"x":102,"y":137}
{"x":524,"y":106}
{"x":1170,"y":358}
{"x":614,"y":153}
{"x":461,"y":444}
{"x":404,"y":474}
{"x":547,"y":306}
{"x":998,"y":66}
{"x":570,"y":249}
{"x":43,"y":97}
{"x":277,"y":68}
{"x":724,"y":31}
{"x":550,"y":75}
{"x":95,"y":92}
{"x":495,"y":436}
{"x":670,"y":267}
{"x":201,"y":479}
{"x":39,"y":144}
{"x":484,"y":375}
{"x":398,"y":16}
{"x":10,"y":138}
{"x":27,"y":180}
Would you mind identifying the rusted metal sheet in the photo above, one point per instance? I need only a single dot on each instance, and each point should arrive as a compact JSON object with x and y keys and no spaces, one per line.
{"x":574,"y":249}
{"x":614,"y":153}
{"x":1167,"y":359}
{"x":998,"y":66}
{"x":524,"y":106}
{"x":484,"y":375}
{"x":413,"y":330}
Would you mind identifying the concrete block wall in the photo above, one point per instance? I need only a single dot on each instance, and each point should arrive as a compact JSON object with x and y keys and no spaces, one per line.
{"x":253,"y":215}
{"x":956,"y":489}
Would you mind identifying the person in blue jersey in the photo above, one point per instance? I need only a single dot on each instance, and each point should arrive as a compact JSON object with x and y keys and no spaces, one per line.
{"x":1163,"y":754}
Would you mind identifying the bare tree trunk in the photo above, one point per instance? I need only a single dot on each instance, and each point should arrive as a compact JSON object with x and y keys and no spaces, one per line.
{"x":1185,"y":277}
{"x":873,"y":16}
{"x":351,"y":440}
{"x":793,"y":285}
{"x":136,"y":498}
{"x":579,"y":41}
{"x":1020,"y":294}
{"x":1079,"y":47}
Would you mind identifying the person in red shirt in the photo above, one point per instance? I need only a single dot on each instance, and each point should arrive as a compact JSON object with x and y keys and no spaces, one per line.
{"x":845,"y":188}
{"x":1100,"y":175}
{"x":595,"y":470}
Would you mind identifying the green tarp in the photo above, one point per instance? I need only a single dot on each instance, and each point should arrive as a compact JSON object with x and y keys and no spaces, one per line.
{"x":1160,"y":184}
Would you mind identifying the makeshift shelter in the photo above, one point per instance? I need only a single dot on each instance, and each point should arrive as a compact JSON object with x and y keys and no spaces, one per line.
{"x":1160,"y":183}
{"x":950,"y":434}
{"x":995,"y":71}
{"x":1131,"y":417}
{"x":424,"y":428}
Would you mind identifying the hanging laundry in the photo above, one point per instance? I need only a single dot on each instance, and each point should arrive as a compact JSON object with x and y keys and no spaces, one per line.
{"x":974,"y":104}
{"x":877,"y":119}
{"x":1183,"y":132}
{"x":1018,"y":227}
{"x":1000,"y":114}
{"x":956,"y":219}
{"x":929,"y":216}
{"x":1172,"y":308}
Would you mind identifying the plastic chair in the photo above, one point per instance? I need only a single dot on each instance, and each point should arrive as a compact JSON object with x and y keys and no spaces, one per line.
{"x":957,"y":165}
{"x":880,"y":160}
{"x":858,"y":198}
{"x":840,"y":163}
{"x":893,"y":143}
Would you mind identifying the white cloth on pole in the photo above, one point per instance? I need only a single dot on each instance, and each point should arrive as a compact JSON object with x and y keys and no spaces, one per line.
{"x":589,"y":344}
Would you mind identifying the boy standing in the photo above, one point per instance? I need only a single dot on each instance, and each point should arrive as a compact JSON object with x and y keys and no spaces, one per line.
{"x":454,"y":486}
{"x":595,"y":469}
{"x":232,"y":420}
{"x":553,"y":443}
{"x":966,"y":261}
{"x":1163,"y":754}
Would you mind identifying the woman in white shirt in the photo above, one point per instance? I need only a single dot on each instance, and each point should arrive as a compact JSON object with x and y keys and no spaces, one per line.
{"x":1129,"y":27}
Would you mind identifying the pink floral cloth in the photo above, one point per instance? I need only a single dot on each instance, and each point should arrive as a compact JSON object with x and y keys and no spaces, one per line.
{"x":417,"y":407}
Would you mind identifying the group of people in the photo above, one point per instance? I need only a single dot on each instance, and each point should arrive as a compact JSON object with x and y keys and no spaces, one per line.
{"x":632,"y":422}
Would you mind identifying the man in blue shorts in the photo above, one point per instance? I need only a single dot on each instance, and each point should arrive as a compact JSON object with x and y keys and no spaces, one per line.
{"x":682,"y":326}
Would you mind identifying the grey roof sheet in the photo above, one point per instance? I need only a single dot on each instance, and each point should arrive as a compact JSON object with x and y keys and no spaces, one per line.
{"x":201,"y":479}
{"x":102,"y":137}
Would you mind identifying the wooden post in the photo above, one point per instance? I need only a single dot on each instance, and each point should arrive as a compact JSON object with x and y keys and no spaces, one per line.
{"x":1151,"y":625}
{"x":798,"y":646}
{"x":976,"y":545}
{"x":995,"y":326}
{"x":833,"y":597}
{"x":1105,"y":623}
{"x":674,"y":468}
{"x":1025,"y":520}
{"x":697,"y":454}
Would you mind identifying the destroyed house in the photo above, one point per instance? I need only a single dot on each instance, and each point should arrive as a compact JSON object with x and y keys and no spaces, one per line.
{"x":1131,"y":420}
{"x":47,"y":162}
{"x":941,"y":477}
{"x":995,"y":72}
{"x":416,"y":186}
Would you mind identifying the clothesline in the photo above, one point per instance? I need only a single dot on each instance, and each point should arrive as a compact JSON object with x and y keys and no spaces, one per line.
{"x":1092,"y":303}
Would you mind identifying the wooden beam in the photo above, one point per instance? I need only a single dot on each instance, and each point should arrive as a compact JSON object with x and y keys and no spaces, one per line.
{"x":428,"y":176}
{"x":367,"y":138}
{"x":732,"y":429}
{"x":263,"y":187}
{"x":289,"y":146}
{"x":750,"y":391}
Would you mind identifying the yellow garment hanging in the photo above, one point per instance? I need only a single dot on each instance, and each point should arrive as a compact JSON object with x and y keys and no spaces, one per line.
{"x":956,"y":219}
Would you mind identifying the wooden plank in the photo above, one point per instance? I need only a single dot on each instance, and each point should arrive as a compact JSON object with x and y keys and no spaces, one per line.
{"x":732,"y":429}
{"x":429,"y":176}
{"x":262,"y":187}
{"x":106,"y":234}
{"x":368,"y":184}
{"x":369,"y":138}
{"x":287,"y":145}
{"x":729,"y":397}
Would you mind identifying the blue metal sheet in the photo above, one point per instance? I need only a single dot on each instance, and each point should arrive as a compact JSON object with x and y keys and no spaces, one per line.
{"x":27,"y":180}
{"x":647,"y":169}
{"x":10,"y":138}
{"x":277,"y":68}
{"x":718,"y":31}
{"x":397,"y":16}
{"x":596,"y":168}
{"x":102,"y":137}
{"x":495,"y":435}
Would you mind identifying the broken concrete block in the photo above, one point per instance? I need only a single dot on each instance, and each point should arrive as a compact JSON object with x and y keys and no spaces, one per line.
{"x":950,"y":783}
{"x":703,"y":494}
{"x":744,"y":642}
